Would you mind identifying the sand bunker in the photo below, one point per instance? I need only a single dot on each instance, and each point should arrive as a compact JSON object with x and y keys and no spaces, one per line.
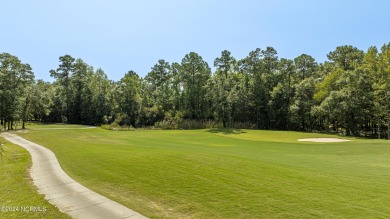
{"x":323,"y":139}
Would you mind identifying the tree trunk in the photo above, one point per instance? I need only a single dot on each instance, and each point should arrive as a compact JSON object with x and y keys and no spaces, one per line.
{"x":257,"y":117}
{"x":349,"y":124}
{"x":348,"y":131}
{"x":23,"y":124}
{"x":379,"y":130}
{"x":223,"y":116}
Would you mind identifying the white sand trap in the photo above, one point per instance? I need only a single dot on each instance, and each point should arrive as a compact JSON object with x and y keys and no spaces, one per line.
{"x":323,"y":139}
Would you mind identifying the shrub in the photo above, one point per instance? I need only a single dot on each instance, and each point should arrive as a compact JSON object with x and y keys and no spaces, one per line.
{"x":106,"y":126}
{"x":178,"y":123}
{"x":117,"y":127}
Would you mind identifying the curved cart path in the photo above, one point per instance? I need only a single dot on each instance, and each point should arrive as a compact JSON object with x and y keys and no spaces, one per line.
{"x":62,"y":191}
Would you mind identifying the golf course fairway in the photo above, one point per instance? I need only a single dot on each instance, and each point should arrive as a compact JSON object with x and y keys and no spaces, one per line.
{"x":226,"y":173}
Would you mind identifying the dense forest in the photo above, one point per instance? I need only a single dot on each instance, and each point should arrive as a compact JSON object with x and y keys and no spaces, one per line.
{"x":348,"y":94}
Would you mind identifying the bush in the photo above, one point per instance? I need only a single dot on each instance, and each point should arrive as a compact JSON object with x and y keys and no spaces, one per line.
{"x":243,"y":125}
{"x":105,"y":127}
{"x":106,"y":119}
{"x":166,"y":124}
{"x":175,"y":123}
{"x":200,"y":124}
{"x":169,"y":121}
{"x":121,"y":119}
{"x":115,"y":126}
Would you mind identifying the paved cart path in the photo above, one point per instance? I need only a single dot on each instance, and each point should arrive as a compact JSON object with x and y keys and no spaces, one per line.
{"x":62,"y":191}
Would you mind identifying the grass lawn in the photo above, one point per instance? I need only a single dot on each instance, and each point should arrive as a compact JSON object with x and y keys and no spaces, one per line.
{"x":227,"y":174}
{"x":18,"y":197}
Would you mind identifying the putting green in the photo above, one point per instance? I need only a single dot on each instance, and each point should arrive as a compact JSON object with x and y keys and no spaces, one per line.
{"x":227,"y":173}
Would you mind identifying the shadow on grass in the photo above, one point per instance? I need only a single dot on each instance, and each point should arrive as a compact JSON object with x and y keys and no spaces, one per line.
{"x":226,"y":131}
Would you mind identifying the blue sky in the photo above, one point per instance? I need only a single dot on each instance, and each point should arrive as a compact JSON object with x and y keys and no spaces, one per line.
{"x":123,"y":35}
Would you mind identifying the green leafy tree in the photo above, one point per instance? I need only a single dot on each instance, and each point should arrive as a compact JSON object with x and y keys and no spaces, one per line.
{"x":282,"y":94}
{"x":159,"y":80}
{"x":177,"y":88}
{"x":267,"y":80}
{"x":81,"y":93}
{"x":252,"y":86}
{"x":306,"y":66}
{"x":14,"y":78}
{"x":194,"y":75}
{"x":128,"y":97}
{"x":381,"y":89}
{"x":302,"y":105}
{"x":220,"y":86}
{"x":102,"y":98}
{"x":63,"y":76}
{"x":37,"y":102}
{"x":346,"y":57}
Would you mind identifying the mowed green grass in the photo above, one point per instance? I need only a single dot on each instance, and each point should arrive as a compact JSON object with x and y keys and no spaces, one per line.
{"x":227,"y":174}
{"x":18,"y":197}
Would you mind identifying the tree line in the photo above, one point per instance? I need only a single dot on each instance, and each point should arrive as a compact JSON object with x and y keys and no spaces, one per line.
{"x":349,"y":93}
